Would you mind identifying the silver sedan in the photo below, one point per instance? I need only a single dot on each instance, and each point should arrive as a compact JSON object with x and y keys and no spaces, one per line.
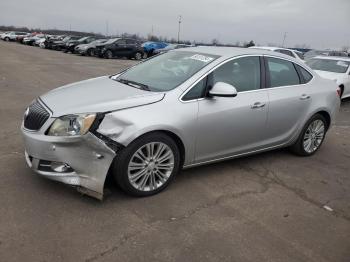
{"x":177,"y":110}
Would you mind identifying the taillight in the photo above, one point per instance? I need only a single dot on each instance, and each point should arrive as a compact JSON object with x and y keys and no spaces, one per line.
{"x":338,"y":91}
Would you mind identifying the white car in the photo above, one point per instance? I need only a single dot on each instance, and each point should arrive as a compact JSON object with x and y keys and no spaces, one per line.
{"x":290,"y":52}
{"x":333,"y":68}
{"x":11,"y":36}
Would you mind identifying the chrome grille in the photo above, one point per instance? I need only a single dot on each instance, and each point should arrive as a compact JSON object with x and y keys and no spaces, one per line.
{"x":35,"y":116}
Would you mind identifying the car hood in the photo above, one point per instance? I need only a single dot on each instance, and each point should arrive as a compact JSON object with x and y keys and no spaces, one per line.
{"x":330,"y":75}
{"x":100,"y":45}
{"x":95,"y":95}
{"x":82,"y":45}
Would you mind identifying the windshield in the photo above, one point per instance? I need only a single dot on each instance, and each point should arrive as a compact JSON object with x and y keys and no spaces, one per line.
{"x":167,"y":71}
{"x":99,"y":41}
{"x":111,"y":41}
{"x":335,"y":66}
{"x":83,"y":39}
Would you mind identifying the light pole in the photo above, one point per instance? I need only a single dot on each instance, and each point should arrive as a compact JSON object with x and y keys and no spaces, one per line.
{"x":178,"y":32}
{"x":284,"y":38}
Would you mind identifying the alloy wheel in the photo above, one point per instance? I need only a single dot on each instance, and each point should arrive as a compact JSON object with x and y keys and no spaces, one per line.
{"x":314,"y":136}
{"x":138,"y":56}
{"x":151,"y":166}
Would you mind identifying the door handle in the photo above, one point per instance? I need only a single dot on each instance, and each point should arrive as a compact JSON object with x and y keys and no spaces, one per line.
{"x":257,"y":105}
{"x":304,"y":97}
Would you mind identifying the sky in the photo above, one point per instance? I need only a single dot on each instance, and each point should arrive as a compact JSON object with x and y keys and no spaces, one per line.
{"x":318,"y":24}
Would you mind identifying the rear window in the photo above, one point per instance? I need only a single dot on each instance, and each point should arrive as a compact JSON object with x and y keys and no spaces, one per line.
{"x":305,"y":74}
{"x":282,"y":73}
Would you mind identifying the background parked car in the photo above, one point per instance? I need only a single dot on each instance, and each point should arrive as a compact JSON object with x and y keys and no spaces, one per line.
{"x":32,"y":39}
{"x":333,"y":68}
{"x":71,"y":44}
{"x":290,"y":52}
{"x":88,"y":49}
{"x":20,"y":38}
{"x":150,"y":47}
{"x":60,"y":44}
{"x":11,"y":36}
{"x":314,"y":53}
{"x":170,"y":47}
{"x":120,"y":47}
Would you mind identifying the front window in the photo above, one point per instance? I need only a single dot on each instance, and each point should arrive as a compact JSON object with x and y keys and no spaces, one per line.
{"x":335,"y":66}
{"x":243,"y":73}
{"x":167,"y":71}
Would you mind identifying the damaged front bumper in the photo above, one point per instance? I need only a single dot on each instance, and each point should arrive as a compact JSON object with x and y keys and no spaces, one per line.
{"x":81,"y":161}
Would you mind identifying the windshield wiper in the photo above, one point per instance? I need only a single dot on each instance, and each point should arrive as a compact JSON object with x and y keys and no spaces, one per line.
{"x":133,"y":84}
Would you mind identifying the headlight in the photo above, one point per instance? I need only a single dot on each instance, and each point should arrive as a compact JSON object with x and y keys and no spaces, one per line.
{"x":72,"y":125}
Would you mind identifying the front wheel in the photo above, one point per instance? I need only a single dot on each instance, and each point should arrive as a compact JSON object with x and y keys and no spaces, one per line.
{"x":7,"y":39}
{"x":147,"y":165}
{"x":138,"y":56}
{"x":311,"y":137}
{"x":90,"y":52}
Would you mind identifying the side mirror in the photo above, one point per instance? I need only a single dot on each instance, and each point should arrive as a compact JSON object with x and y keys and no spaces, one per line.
{"x":223,"y":90}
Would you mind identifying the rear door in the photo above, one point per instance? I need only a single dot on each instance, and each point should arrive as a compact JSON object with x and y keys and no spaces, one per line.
{"x":233,"y":125}
{"x":289,"y":99}
{"x":120,"y":48}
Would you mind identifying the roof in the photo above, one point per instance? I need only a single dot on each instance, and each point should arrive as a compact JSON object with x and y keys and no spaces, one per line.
{"x":233,"y":51}
{"x":274,"y":48}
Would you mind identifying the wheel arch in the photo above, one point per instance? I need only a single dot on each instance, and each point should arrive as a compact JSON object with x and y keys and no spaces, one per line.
{"x":326,"y":115}
{"x":180,"y":144}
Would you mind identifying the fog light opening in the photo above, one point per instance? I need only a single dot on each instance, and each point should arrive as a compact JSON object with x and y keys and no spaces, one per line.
{"x":61,"y":167}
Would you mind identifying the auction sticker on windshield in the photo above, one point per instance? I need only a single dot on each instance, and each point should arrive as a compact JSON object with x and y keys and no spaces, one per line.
{"x":202,"y":58}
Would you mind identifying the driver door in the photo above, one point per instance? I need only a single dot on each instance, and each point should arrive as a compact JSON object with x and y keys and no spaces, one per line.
{"x":233,"y":125}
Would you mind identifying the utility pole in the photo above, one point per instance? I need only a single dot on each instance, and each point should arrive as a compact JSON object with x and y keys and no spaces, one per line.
{"x":178,"y":32}
{"x":284,"y":38}
{"x":107,"y":27}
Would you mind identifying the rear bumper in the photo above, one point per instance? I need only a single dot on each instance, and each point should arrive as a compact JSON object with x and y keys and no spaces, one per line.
{"x":88,"y":157}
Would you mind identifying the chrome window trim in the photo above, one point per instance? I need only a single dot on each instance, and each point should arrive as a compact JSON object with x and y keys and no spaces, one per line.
{"x":240,"y":56}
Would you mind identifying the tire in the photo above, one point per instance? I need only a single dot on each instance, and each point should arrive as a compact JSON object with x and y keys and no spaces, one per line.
{"x":90,"y":52}
{"x":152,"y":177}
{"x":311,"y":137}
{"x":108,"y":54}
{"x":341,"y":91}
{"x":7,"y":39}
{"x":138,"y":56}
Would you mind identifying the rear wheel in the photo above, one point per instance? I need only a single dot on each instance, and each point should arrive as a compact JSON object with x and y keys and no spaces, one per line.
{"x":108,"y":54}
{"x":147,"y":165}
{"x":341,"y":91}
{"x":7,"y":39}
{"x":311,"y":137}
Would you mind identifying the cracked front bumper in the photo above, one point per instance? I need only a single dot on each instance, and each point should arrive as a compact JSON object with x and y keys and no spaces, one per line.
{"x":88,"y":156}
